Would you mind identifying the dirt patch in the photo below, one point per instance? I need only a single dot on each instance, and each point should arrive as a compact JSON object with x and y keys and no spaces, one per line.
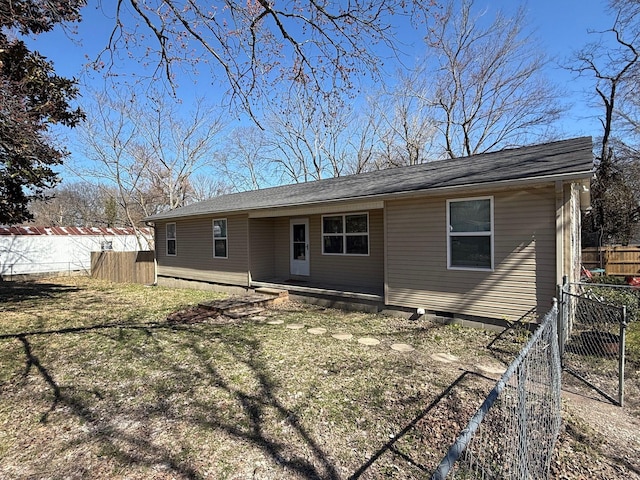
{"x":598,"y":440}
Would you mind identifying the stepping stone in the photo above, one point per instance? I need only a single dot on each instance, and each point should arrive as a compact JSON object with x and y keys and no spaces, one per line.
{"x":317,"y":331}
{"x":342,"y":336}
{"x":258,"y":318}
{"x":491,"y":369}
{"x":444,"y":357}
{"x":275,"y":322}
{"x":368,"y":341}
{"x":295,"y":326}
{"x":402,"y":347}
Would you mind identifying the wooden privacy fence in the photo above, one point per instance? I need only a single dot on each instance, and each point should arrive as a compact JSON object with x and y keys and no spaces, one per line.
{"x":124,"y":267}
{"x":616,"y":260}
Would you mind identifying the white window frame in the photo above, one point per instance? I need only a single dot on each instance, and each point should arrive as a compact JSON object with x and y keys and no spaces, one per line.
{"x":489,"y":234}
{"x":225,"y":238}
{"x":175,"y":239}
{"x":344,"y":234}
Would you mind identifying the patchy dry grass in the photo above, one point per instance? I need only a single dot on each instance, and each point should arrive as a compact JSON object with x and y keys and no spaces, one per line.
{"x":95,"y":382}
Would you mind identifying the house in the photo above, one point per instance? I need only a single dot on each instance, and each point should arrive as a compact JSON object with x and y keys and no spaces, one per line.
{"x":31,"y":250}
{"x":486,"y":236}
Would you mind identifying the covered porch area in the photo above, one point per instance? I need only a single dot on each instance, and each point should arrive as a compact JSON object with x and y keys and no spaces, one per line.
{"x":286,"y":252}
{"x":348,"y":297}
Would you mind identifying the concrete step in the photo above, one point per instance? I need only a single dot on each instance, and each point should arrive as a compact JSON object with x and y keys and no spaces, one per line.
{"x":276,"y":292}
{"x":279,"y":296}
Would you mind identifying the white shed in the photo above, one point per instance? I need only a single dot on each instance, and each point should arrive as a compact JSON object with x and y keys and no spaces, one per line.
{"x":28,"y":250}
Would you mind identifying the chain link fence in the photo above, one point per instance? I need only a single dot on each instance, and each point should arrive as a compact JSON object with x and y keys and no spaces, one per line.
{"x":513,"y":433}
{"x":593,"y":335}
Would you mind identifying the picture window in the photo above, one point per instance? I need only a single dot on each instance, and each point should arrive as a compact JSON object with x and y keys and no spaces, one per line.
{"x":345,"y":234}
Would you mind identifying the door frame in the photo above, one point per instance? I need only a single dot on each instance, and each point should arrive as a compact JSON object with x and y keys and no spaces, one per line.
{"x":297,"y":266}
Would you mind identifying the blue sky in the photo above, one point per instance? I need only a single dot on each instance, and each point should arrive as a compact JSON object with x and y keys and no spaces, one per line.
{"x":560,"y":25}
{"x":563,"y":27}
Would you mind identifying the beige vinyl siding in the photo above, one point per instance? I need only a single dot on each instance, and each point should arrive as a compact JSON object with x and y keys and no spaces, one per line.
{"x":282,"y":246}
{"x":194,"y":259}
{"x":262,"y":234}
{"x":524,"y":257}
{"x":365,"y":271}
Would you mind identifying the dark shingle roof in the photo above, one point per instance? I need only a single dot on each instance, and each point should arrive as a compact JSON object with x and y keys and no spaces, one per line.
{"x":556,"y":160}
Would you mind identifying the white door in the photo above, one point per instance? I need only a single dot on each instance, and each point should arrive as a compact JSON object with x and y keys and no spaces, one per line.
{"x":300,"y":246}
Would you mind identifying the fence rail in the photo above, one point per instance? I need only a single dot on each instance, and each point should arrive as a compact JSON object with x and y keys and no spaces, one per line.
{"x":615,"y":260}
{"x":513,"y":433}
{"x":124,"y":267}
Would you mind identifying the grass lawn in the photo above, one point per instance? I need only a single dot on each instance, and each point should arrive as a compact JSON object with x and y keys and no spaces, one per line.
{"x":96,"y":382}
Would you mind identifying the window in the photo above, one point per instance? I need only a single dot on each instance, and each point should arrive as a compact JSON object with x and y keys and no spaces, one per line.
{"x":345,"y":234}
{"x":470,"y":233}
{"x":220,"y":238}
{"x":171,"y":239}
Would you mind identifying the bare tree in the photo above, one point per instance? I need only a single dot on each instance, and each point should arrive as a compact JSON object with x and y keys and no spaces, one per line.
{"x":405,"y":130}
{"x":173,"y":148}
{"x":205,"y":186}
{"x":107,"y":137}
{"x":304,"y":134}
{"x":613,"y":61}
{"x":362,"y":139}
{"x":79,"y":204}
{"x":149,"y":151}
{"x":245,"y":160}
{"x":254,"y":45}
{"x":320,"y":137}
{"x":613,"y":69}
{"x":482,"y":82}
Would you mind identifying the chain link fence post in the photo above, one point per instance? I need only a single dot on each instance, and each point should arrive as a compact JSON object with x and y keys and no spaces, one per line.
{"x":621,"y":346}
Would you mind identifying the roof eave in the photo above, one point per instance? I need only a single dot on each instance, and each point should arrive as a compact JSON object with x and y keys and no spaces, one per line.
{"x":431,"y":191}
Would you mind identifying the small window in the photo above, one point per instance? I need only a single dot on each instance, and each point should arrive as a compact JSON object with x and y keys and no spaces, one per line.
{"x":470,"y":233}
{"x":220,"y":238}
{"x":345,"y":234}
{"x":171,"y":239}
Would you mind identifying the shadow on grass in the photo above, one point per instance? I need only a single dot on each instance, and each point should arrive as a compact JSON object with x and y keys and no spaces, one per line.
{"x":508,"y":343}
{"x":296,"y":451}
{"x":392,"y":445}
{"x":255,"y":403}
{"x":13,"y":292}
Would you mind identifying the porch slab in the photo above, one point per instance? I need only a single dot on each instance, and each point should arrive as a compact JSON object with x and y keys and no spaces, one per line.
{"x":333,"y":296}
